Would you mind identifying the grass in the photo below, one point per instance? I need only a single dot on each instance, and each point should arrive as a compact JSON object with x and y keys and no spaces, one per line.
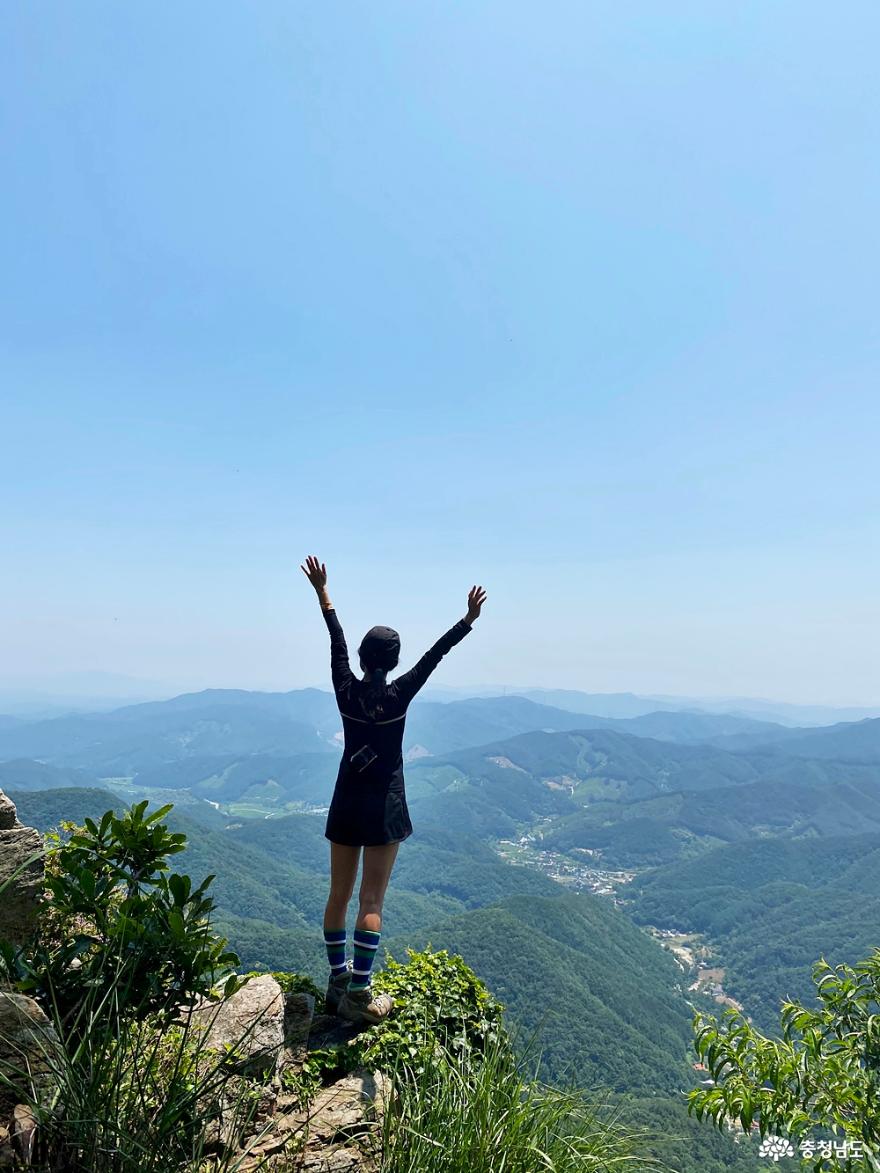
{"x":123,"y":1096}
{"x":468,"y":1112}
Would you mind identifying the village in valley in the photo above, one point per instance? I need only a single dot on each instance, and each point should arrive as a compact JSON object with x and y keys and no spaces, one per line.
{"x":586,"y":875}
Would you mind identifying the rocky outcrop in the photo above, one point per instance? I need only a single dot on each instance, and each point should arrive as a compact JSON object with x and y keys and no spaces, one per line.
{"x":28,"y":1046}
{"x":21,"y":874}
{"x":270,"y":1032}
{"x":29,"y":1053}
{"x":339,"y":1132}
{"x":252,"y":1021}
{"x":8,"y":817}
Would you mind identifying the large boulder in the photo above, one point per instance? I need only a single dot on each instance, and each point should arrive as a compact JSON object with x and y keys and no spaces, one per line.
{"x":252,"y":1021}
{"x":21,"y":874}
{"x":299,"y":1010}
{"x":29,"y":1051}
{"x":8,"y":817}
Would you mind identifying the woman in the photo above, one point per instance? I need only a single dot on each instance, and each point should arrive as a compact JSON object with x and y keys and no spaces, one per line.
{"x":368,"y":808}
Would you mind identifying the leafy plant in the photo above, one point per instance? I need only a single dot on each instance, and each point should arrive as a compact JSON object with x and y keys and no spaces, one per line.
{"x":439,"y":1002}
{"x":113,"y":919}
{"x":439,"y":999}
{"x":823,"y":1073}
{"x":319,"y":1068}
{"x":120,"y":951}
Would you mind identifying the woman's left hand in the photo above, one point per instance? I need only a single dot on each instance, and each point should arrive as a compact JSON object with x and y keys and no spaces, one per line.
{"x":476,"y":599}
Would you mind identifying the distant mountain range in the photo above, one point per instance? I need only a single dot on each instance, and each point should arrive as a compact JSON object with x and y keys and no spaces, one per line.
{"x":628,"y":704}
{"x":857,"y":742}
{"x":94,"y":691}
{"x":485,"y":764}
{"x":229,"y":722}
{"x":233,"y":724}
{"x":687,"y":823}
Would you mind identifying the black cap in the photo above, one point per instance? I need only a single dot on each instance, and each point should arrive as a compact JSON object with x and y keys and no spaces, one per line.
{"x":380,"y":648}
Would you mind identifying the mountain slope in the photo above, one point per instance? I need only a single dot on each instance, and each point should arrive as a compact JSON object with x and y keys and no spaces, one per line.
{"x":27,"y":774}
{"x":606,"y":997}
{"x":273,"y":779}
{"x":491,"y":790}
{"x":772,"y":908}
{"x":45,"y":809}
{"x":273,"y":873}
{"x":129,"y":740}
{"x":659,"y":830}
{"x":852,"y":742}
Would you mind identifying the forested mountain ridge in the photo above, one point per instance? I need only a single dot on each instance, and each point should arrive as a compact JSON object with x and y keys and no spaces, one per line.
{"x":230,"y":722}
{"x":853,"y":742}
{"x":498,"y":786}
{"x":772,"y":908}
{"x":27,"y":774}
{"x":609,"y":1002}
{"x":651,"y":831}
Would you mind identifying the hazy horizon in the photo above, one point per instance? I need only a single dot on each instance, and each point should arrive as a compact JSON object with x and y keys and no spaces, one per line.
{"x":97,"y":690}
{"x":578,"y":304}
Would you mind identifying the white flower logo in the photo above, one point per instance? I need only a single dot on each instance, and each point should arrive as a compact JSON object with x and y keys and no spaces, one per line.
{"x":775,"y":1147}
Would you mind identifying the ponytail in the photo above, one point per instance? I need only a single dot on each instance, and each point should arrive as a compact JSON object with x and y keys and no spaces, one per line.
{"x":371,"y":698}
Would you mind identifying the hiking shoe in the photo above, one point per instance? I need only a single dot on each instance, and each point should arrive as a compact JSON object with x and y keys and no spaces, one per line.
{"x":336,"y":987}
{"x":364,"y":1006}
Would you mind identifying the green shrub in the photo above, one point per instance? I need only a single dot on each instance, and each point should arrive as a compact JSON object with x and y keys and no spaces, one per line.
{"x":114,"y":922}
{"x":439,"y":999}
{"x":121,"y":949}
{"x":439,"y":1002}
{"x":822,"y":1075}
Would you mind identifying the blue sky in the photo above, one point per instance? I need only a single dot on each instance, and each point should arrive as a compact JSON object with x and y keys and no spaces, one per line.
{"x":577,"y":301}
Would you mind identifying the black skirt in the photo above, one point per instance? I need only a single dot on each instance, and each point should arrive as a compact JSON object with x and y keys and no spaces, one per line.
{"x":368,"y":809}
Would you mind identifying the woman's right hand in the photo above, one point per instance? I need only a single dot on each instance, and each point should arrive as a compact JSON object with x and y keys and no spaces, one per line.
{"x":476,"y":599}
{"x":315,"y":572}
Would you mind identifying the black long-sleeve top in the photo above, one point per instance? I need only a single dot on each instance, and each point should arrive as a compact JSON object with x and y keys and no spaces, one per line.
{"x":369,"y":806}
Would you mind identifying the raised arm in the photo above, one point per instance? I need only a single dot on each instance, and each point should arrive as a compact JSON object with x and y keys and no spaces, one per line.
{"x":340,"y":670}
{"x":410,"y":682}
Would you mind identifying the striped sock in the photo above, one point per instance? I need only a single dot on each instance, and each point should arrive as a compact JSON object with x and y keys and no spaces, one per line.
{"x":334,"y":939}
{"x":365,"y":945}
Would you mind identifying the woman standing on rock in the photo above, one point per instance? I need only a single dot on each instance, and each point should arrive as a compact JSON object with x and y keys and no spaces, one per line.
{"x":368,"y":808}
